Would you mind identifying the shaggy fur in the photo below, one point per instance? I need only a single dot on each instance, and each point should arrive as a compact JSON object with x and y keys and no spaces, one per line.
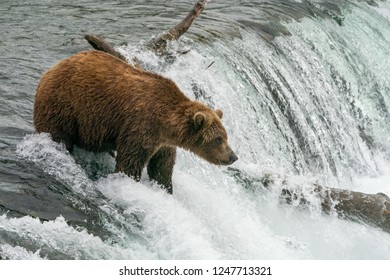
{"x":100,"y":103}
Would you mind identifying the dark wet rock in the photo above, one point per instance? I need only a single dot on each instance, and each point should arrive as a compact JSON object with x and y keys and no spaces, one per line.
{"x":27,"y":190}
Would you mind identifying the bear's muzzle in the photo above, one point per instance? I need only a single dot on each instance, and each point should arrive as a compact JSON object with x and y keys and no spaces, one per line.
{"x":232,"y":158}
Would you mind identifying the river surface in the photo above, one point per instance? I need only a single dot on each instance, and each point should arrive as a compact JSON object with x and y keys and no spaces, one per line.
{"x":305,"y":90}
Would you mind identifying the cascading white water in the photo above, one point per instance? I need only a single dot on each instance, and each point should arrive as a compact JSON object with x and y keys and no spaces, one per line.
{"x":313,"y":106}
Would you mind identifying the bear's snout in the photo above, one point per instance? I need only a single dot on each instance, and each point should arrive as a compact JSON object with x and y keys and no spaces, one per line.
{"x":232,"y":158}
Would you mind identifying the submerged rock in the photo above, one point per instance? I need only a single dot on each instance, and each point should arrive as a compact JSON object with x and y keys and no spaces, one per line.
{"x":27,"y":190}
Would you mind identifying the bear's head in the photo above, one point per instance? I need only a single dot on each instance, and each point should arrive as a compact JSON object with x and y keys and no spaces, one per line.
{"x":210,"y":138}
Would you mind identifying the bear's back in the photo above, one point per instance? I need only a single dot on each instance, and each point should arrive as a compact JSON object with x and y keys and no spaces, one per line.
{"x":86,"y":98}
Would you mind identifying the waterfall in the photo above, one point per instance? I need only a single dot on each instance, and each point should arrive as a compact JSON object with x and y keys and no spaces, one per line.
{"x":309,"y":101}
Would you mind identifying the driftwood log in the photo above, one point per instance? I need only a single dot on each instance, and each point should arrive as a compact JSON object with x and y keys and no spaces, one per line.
{"x":370,"y":209}
{"x":159,"y":43}
{"x":98,"y":43}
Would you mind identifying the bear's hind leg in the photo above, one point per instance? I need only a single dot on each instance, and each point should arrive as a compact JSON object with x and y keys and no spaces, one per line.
{"x":61,"y":131}
{"x":60,"y":138}
{"x":160,"y":167}
{"x":132,"y":160}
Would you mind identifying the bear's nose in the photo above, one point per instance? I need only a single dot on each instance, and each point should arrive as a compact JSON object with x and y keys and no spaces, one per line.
{"x":232,"y":158}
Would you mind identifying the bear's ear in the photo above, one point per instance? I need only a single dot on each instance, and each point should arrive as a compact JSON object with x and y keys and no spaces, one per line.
{"x":199,"y":120}
{"x":219,"y":113}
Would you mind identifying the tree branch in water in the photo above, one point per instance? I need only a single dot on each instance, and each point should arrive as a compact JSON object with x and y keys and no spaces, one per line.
{"x":98,"y":43}
{"x":159,"y":44}
{"x":370,"y":209}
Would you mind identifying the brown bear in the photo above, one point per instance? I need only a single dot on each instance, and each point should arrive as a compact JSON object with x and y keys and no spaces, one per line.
{"x":100,"y":103}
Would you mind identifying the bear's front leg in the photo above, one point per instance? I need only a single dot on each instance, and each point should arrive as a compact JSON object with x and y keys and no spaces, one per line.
{"x":160,"y":167}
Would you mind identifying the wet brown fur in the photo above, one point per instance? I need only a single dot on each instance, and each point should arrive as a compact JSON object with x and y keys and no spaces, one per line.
{"x":100,"y":103}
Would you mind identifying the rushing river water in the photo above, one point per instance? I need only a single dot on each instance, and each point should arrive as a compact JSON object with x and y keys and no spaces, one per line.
{"x":305,"y":90}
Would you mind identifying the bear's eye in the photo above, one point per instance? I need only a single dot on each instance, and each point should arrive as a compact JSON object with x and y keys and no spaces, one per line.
{"x":218,"y":140}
